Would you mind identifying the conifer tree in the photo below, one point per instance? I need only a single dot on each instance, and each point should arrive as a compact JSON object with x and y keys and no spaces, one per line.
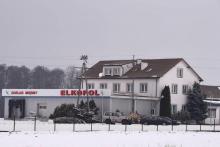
{"x":195,"y":105}
{"x":165,"y":104}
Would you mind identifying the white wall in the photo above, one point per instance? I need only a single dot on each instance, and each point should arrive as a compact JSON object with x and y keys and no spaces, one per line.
{"x":170,"y":78}
{"x":123,"y":105}
{"x":143,"y":107}
{"x":123,"y":82}
{"x":52,"y":103}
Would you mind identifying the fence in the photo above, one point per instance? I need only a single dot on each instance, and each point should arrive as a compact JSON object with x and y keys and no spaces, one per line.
{"x":36,"y":125}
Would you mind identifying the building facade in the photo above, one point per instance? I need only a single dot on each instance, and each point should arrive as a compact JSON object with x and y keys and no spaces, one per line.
{"x":23,"y":103}
{"x":136,"y":85}
{"x":123,"y":85}
{"x":212,"y":94}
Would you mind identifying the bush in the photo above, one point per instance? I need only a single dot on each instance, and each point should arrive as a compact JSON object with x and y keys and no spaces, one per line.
{"x":69,"y":110}
{"x":68,"y":120}
{"x":64,"y":110}
{"x":134,"y":117}
{"x":182,"y":116}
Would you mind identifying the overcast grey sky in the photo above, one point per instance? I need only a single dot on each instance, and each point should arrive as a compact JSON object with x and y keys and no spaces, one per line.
{"x":55,"y":33}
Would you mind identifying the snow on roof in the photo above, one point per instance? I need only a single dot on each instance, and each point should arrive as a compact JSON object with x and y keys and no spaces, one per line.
{"x":212,"y":102}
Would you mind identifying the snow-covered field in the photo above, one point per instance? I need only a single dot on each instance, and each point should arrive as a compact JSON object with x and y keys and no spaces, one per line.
{"x":101,"y":137}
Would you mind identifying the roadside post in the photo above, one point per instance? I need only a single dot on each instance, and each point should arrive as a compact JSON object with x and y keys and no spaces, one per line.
{"x":200,"y":127}
{"x":73,"y":125}
{"x":91,"y":125}
{"x":172,"y":125}
{"x":109,"y":124}
{"x":125,"y":127}
{"x":214,"y":125}
{"x":14,"y":123}
{"x":35,"y":122}
{"x":54,"y":124}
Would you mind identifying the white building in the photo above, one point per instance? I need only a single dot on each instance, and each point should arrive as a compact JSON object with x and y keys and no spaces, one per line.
{"x":124,"y":85}
{"x":23,"y":103}
{"x":149,"y":77}
{"x":212,"y":94}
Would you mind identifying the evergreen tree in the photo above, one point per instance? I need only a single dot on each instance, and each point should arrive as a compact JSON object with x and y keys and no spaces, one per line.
{"x":165,"y":104}
{"x":93,"y":107}
{"x":82,"y":105}
{"x":196,"y":106}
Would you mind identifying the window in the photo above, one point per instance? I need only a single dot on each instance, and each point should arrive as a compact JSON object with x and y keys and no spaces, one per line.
{"x":179,"y":72}
{"x":152,"y":111}
{"x":143,"y":88}
{"x":174,"y":109}
{"x":185,"y":89}
{"x":116,"y":71}
{"x":116,"y":88}
{"x":183,"y":107}
{"x":42,"y":107}
{"x":129,"y":87}
{"x":90,"y":86}
{"x":103,"y":86}
{"x":174,"y":88}
{"x":112,"y":71}
{"x":108,"y":71}
{"x":212,"y":113}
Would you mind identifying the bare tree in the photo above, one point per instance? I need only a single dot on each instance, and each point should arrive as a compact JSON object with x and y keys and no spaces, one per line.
{"x":17,"y":77}
{"x":56,"y":78}
{"x":71,"y":78}
{"x":3,"y":69}
{"x":39,"y":77}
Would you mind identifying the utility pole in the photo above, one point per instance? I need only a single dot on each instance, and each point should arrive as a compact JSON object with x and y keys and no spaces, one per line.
{"x":84,"y":58}
{"x":132,"y":94}
{"x":79,"y":88}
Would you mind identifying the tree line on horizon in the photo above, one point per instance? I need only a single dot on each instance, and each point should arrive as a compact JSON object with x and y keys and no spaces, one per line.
{"x":40,"y":77}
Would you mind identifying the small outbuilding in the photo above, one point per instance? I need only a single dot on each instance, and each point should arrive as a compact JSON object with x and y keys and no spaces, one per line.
{"x":212,"y":94}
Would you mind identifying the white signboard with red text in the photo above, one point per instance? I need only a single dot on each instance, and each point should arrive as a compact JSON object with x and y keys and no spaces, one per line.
{"x":55,"y":92}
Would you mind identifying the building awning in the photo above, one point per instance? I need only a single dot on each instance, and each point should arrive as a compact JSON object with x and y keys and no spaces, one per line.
{"x":212,"y":102}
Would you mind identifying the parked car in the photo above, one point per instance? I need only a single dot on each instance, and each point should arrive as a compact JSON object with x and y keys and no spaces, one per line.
{"x":175,"y":122}
{"x":126,"y":122}
{"x":158,"y":120}
{"x":115,"y":117}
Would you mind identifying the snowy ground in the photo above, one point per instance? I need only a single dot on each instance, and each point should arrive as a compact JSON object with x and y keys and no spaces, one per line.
{"x":101,"y":137}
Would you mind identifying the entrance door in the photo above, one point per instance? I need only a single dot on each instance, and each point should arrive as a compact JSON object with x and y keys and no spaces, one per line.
{"x":17,"y":108}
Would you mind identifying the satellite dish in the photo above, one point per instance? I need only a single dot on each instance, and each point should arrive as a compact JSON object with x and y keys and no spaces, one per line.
{"x":100,"y":75}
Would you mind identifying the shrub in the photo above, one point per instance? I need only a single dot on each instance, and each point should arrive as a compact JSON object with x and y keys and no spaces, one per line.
{"x":64,"y":110}
{"x":182,"y":116}
{"x":69,"y":110}
{"x":134,"y":117}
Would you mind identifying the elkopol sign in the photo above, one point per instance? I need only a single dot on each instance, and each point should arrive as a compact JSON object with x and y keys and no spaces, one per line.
{"x":79,"y":92}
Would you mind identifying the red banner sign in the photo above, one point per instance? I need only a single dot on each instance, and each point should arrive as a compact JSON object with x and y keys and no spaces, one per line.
{"x":79,"y":92}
